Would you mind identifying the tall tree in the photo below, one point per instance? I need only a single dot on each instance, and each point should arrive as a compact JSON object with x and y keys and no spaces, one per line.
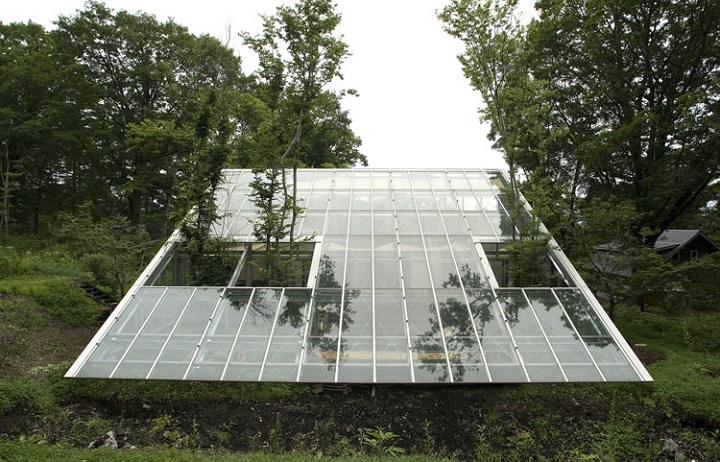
{"x":648,"y":72}
{"x":624,"y":95}
{"x":144,"y":70}
{"x":42,"y":129}
{"x":299,"y":56}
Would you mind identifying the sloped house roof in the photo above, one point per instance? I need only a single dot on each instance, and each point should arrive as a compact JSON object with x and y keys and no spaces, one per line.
{"x":403,"y":282}
{"x":684,"y":244}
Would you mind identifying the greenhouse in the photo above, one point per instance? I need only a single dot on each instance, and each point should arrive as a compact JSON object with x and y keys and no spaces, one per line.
{"x":391,"y":276}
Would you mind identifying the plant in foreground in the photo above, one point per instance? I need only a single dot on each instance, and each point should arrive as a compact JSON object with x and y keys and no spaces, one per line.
{"x":378,"y":440}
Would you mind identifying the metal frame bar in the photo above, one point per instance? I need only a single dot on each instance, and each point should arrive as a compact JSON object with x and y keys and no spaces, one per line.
{"x":272,"y":332}
{"x":432,"y":283}
{"x":172,"y":331}
{"x":338,"y":354}
{"x":582,"y":342}
{"x":204,"y":334}
{"x":311,"y":308}
{"x":457,"y":271}
{"x":403,"y":291}
{"x":542,"y":330}
{"x":137,"y":334}
{"x":237,"y":334}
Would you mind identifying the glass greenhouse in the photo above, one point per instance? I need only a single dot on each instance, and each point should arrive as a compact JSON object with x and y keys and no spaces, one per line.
{"x":398,"y":276}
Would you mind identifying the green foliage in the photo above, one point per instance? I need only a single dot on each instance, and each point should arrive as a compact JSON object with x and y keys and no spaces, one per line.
{"x":379,"y":442}
{"x":22,"y":259}
{"x":18,"y":315}
{"x":113,"y":251}
{"x":579,"y":102}
{"x":23,"y":396}
{"x":623,"y":438}
{"x":684,"y":379}
{"x":529,"y":264}
{"x":703,"y":334}
{"x":66,"y":302}
{"x":21,"y":451}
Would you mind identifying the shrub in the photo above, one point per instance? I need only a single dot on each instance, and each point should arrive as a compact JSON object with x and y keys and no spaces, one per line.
{"x":703,"y":335}
{"x":17,"y":316}
{"x":66,"y":302}
{"x":23,"y":396}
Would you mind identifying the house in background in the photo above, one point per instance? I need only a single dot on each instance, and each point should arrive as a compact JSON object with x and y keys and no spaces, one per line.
{"x":399,"y":278}
{"x":683,"y":245}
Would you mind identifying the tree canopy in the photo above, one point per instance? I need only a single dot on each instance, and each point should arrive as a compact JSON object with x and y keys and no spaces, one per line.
{"x":136,"y":117}
{"x":601,"y":99}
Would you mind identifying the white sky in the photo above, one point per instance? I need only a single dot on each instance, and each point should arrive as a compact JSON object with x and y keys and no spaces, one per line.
{"x":415,"y":108}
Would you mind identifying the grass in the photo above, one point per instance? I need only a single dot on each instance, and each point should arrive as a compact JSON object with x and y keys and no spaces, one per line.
{"x":685,"y":379}
{"x":30,"y":451}
{"x":48,"y":275}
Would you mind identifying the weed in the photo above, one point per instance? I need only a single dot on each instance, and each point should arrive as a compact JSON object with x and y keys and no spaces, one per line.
{"x":483,"y":448}
{"x":24,"y":396}
{"x":378,"y":440}
{"x":427,"y":441}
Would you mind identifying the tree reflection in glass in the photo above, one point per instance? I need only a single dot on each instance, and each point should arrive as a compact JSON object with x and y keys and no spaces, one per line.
{"x":459,"y":325}
{"x":328,"y":315}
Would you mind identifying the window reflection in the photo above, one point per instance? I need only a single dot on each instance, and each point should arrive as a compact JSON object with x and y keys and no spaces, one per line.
{"x":461,"y":327}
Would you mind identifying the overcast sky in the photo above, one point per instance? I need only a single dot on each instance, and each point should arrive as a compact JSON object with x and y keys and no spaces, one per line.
{"x":415,"y":108}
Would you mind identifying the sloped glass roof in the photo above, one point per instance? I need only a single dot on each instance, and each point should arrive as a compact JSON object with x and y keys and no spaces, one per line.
{"x":404,"y":281}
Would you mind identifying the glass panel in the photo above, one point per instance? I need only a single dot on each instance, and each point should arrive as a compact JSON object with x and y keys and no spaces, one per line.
{"x":215,"y":349}
{"x":442,"y":265}
{"x":247,"y":355}
{"x":142,"y":353}
{"x":322,"y":339}
{"x":400,"y":180}
{"x":356,"y":360}
{"x":103,"y":360}
{"x":361,"y":224}
{"x":419,"y":180}
{"x":380,"y":179}
{"x":360,"y":200}
{"x":425,"y":201}
{"x":362,"y":179}
{"x":318,"y":201}
{"x":391,"y":344}
{"x":384,"y":223}
{"x":429,"y":358}
{"x":455,"y":224}
{"x":414,"y":263}
{"x":139,"y":308}
{"x":387,"y":265}
{"x":324,"y":179}
{"x":502,"y":360}
{"x":330,"y":269}
{"x":359,"y":263}
{"x":446,"y":202}
{"x":312,"y":224}
{"x":407,"y":223}
{"x":404,"y":201}
{"x":337,"y":223}
{"x":480,"y":226}
{"x":340,"y":200}
{"x":431,"y":223}
{"x":343,"y":179}
{"x":438,"y":180}
{"x":458,"y":329}
{"x":183,"y":342}
{"x":382,"y":200}
{"x":285,"y":347}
